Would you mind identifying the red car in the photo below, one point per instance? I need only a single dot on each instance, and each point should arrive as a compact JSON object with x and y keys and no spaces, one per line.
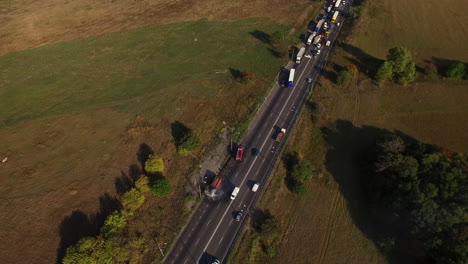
{"x":240,"y":151}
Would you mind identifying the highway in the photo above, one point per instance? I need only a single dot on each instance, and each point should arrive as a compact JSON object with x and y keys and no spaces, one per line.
{"x":212,"y":230}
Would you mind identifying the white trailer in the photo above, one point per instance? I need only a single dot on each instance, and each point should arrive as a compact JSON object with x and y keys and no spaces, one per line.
{"x":300,"y":54}
{"x":338,"y":2}
{"x":291,"y":78}
{"x":309,"y":40}
{"x":317,"y":39}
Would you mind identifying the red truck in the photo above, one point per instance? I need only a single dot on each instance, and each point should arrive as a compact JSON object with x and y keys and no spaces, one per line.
{"x":280,"y":135}
{"x":216,"y":182}
{"x":240,"y":152}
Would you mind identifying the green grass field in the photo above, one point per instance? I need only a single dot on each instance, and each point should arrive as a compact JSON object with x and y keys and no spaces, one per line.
{"x":143,"y":71}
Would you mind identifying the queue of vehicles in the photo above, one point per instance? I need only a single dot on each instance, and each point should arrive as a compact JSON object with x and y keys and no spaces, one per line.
{"x":315,"y":38}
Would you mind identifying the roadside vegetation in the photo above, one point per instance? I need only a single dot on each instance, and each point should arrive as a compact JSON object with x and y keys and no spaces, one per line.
{"x":424,"y":189}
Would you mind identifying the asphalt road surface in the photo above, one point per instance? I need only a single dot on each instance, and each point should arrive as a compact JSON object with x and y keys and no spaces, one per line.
{"x":212,"y":230}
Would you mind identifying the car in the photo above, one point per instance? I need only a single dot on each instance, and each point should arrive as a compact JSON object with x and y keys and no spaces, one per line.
{"x":318,"y":52}
{"x":238,"y":216}
{"x":328,"y":43}
{"x":240,"y":152}
{"x":255,"y":187}
{"x":234,"y":193}
{"x":308,"y":56}
{"x":338,"y":24}
{"x":255,"y":152}
{"x":309,"y":80}
{"x":319,"y":45}
{"x":215,"y":261}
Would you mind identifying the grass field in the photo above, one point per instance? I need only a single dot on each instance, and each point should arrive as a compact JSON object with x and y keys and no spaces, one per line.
{"x":72,"y":138}
{"x":334,"y":223}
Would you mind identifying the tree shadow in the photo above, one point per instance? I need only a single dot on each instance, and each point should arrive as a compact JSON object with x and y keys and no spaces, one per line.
{"x":143,"y":153}
{"x":329,"y":75}
{"x":365,"y":62}
{"x":126,"y":181}
{"x":444,"y":64}
{"x":79,"y":225}
{"x":346,"y":159}
{"x":235,"y":73}
{"x":275,"y":53}
{"x":179,"y":131}
{"x":262,"y":36}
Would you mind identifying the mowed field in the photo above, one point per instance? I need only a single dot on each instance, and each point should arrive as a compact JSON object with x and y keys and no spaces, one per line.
{"x":334,"y":222}
{"x":80,"y":116}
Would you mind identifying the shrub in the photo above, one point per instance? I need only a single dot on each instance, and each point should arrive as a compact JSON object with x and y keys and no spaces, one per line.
{"x":357,"y":11}
{"x":114,"y":223}
{"x":188,"y":144}
{"x":299,"y":188}
{"x":302,"y":171}
{"x":456,"y":71}
{"x":277,"y":36}
{"x":384,"y":72}
{"x":142,"y":183}
{"x":161,"y":186}
{"x":247,"y":77}
{"x":132,"y":199}
{"x":344,"y":77}
{"x":154,"y":164}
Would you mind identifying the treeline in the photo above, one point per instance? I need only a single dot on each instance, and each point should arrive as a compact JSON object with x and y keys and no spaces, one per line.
{"x":426,"y":188}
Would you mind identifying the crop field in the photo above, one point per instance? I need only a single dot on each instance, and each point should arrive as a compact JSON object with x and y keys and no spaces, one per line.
{"x":79,"y":116}
{"x":333,"y":223}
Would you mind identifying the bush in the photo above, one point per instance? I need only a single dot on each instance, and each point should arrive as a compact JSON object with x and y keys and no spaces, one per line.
{"x":132,"y":199}
{"x":456,"y":71}
{"x":154,"y":164}
{"x":302,"y":171}
{"x":142,"y":183}
{"x":384,"y":72}
{"x":299,"y":188}
{"x":344,"y":77}
{"x":357,"y":11}
{"x":161,"y":187}
{"x":114,"y":223}
{"x":188,"y":144}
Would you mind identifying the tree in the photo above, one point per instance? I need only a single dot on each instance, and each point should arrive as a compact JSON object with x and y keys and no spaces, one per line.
{"x":142,"y":183}
{"x":277,"y":36}
{"x":384,"y":72}
{"x":161,"y":186}
{"x":114,"y":223}
{"x":398,"y":57}
{"x":456,"y":71}
{"x":357,"y":11}
{"x":302,"y":171}
{"x":189,"y":143}
{"x":408,"y":74}
{"x":344,"y":77}
{"x":132,"y":199}
{"x":154,"y":164}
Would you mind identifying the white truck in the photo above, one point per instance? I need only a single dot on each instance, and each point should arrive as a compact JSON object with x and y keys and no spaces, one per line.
{"x":291,"y":78}
{"x":317,"y":39}
{"x":309,"y":40}
{"x":335,"y":16}
{"x":300,"y":54}
{"x":338,"y":2}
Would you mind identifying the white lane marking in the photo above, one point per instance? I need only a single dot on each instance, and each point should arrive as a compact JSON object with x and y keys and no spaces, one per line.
{"x":185,"y":261}
{"x":218,"y":205}
{"x":253,"y":163}
{"x":208,"y":222}
{"x":221,"y":240}
{"x":197,"y":241}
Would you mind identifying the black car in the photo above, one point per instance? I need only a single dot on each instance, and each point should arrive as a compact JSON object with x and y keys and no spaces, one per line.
{"x":238,"y":216}
{"x":255,"y":152}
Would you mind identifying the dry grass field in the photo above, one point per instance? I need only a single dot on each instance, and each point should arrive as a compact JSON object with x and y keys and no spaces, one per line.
{"x":333,"y":223}
{"x":25,"y":24}
{"x":81,"y":113}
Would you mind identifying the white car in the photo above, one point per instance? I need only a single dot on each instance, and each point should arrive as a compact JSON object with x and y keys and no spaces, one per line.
{"x":314,"y":34}
{"x":328,"y":43}
{"x":319,"y":46}
{"x":318,"y":52}
{"x":308,"y":56}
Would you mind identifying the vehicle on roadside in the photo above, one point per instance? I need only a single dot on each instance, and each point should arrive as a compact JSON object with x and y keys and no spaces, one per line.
{"x":280,"y":135}
{"x":309,"y":39}
{"x":317,"y":39}
{"x":234,"y":193}
{"x":238,"y":216}
{"x":335,"y":16}
{"x":328,"y":43}
{"x":240,"y":153}
{"x":319,"y":45}
{"x":291,"y":78}
{"x":255,"y":187}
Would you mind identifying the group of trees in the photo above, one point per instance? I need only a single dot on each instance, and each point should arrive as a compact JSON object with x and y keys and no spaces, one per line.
{"x":299,"y":173}
{"x":109,"y":246}
{"x":267,"y":237}
{"x":398,"y":67}
{"x":427,"y":189}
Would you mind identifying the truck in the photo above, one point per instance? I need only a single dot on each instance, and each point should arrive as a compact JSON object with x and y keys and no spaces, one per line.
{"x":291,"y":78}
{"x":319,"y":25}
{"x":317,"y":39}
{"x":240,"y":152}
{"x":337,"y":4}
{"x":216,"y":182}
{"x":300,"y":54}
{"x":280,"y":135}
{"x":309,"y":40}
{"x":335,"y":16}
